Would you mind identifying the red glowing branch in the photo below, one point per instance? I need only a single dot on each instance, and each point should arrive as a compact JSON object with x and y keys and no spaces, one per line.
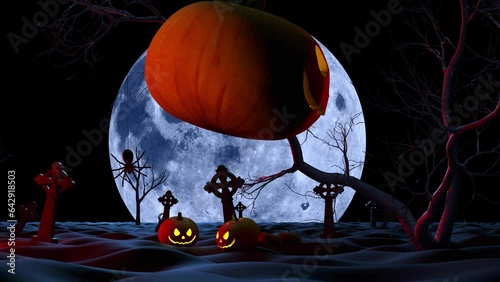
{"x":54,"y":181}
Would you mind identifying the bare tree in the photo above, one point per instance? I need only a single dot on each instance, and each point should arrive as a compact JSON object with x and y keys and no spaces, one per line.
{"x":454,"y":89}
{"x":75,"y":34}
{"x":132,"y":172}
{"x":328,"y":191}
{"x":450,"y":115}
{"x":337,"y":140}
{"x":421,"y":104}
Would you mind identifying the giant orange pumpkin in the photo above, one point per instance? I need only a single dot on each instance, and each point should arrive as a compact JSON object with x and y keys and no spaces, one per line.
{"x":237,"y":70}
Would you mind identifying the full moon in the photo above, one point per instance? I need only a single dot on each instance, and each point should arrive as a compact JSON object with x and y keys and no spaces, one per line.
{"x":190,"y":155}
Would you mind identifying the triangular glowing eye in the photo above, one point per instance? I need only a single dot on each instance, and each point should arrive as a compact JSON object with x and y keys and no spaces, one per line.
{"x":189,"y":232}
{"x":217,"y":235}
{"x":226,"y":235}
{"x":177,"y":232}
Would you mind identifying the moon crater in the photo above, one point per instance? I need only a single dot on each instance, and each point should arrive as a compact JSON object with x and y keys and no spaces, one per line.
{"x":340,"y":102}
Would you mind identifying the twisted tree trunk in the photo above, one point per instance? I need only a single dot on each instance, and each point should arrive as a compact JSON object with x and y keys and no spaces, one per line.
{"x":377,"y":196}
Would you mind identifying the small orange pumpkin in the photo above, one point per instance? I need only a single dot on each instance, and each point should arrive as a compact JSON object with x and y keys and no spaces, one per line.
{"x":266,"y":238}
{"x":237,"y":70}
{"x":179,"y":231}
{"x":290,"y":238}
{"x":237,"y":234}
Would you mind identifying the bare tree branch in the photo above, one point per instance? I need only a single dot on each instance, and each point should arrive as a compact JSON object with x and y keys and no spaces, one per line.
{"x":84,"y":23}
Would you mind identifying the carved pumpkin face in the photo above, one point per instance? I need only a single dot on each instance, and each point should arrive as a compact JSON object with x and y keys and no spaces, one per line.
{"x":237,"y":234}
{"x":179,"y":231}
{"x":238,"y":71}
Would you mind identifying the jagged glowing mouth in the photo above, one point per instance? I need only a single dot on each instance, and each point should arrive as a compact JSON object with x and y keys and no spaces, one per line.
{"x":181,"y":243}
{"x":228,"y":246}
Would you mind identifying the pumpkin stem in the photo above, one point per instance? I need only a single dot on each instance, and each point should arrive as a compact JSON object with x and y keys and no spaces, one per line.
{"x":234,"y":218}
{"x":179,"y":216}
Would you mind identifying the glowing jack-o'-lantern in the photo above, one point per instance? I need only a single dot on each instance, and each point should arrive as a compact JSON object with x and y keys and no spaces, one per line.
{"x":178,"y":230}
{"x":237,"y":70}
{"x":237,"y":234}
{"x":290,"y":238}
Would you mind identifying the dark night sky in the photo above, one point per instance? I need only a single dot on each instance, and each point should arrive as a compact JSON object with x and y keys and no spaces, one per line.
{"x":48,"y":106}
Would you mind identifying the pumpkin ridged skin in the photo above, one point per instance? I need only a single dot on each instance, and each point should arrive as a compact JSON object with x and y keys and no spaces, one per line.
{"x":183,"y":224}
{"x":234,"y":71}
{"x":244,"y":231}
